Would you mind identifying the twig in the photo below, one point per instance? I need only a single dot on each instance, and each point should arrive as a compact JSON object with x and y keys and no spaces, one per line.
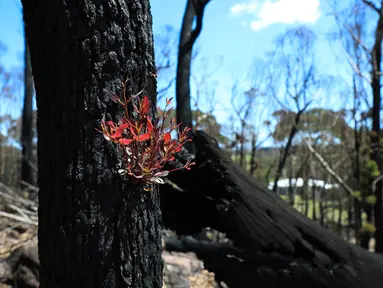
{"x":30,"y":186}
{"x":354,"y":66}
{"x":19,"y":199}
{"x":329,"y":169}
{"x":372,"y":5}
{"x":166,"y":88}
{"x":18,"y":218}
{"x":10,"y":194}
{"x":20,"y":211}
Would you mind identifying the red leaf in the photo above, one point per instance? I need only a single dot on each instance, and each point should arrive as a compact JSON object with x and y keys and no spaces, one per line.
{"x":149,"y":125}
{"x":143,"y":137}
{"x":145,"y":106}
{"x":124,"y":141}
{"x":178,"y":148}
{"x":132,"y":130}
{"x":119,"y":131}
{"x":168,"y":101}
{"x":110,"y":123}
{"x":167,"y":137}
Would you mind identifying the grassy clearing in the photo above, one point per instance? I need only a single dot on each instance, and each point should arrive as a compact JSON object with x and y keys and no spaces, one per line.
{"x":332,"y":212}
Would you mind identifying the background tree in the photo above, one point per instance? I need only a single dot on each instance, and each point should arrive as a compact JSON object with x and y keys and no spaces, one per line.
{"x":296,"y":56}
{"x":376,"y":71}
{"x":194,"y":12}
{"x":27,"y":123}
{"x":366,"y":55}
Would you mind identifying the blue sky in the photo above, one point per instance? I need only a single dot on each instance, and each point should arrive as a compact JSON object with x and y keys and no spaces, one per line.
{"x":239,"y":31}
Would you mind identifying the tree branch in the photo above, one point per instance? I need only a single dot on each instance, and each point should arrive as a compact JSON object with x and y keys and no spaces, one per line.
{"x":372,"y":5}
{"x":329,"y":169}
{"x":199,"y":9}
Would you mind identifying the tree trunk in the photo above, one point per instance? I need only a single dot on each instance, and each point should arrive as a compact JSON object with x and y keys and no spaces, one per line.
{"x":27,"y":120}
{"x":322,"y":207}
{"x":242,"y":145}
{"x":357,"y":215}
{"x":194,"y":9}
{"x":253,"y":164}
{"x":376,"y":59}
{"x":340,"y":208}
{"x":314,"y":217}
{"x":292,"y":186}
{"x":95,"y":230}
{"x":184,"y":113}
{"x":286,"y":150}
{"x":306,"y":196}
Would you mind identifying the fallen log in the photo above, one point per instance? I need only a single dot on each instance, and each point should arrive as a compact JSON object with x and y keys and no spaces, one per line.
{"x":275,"y":245}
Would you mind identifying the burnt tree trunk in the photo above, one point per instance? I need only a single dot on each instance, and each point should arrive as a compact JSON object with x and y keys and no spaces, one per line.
{"x":194,"y":10}
{"x":376,"y":86}
{"x":272,"y":244}
{"x":314,"y":216}
{"x":95,"y":230}
{"x":376,"y":70}
{"x":27,"y":120}
{"x":253,"y":163}
{"x":356,"y":216}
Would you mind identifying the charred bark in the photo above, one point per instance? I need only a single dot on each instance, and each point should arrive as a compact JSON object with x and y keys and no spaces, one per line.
{"x":273,"y":244}
{"x":376,"y":70}
{"x":27,"y":120}
{"x":194,"y":10}
{"x":376,"y":91}
{"x":253,"y":163}
{"x":95,"y":230}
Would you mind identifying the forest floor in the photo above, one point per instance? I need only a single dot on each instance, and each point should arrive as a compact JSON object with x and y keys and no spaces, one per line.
{"x":18,"y":229}
{"x":181,"y":270}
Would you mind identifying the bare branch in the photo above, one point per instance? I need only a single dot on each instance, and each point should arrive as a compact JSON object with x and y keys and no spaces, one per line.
{"x":353,"y":35}
{"x":199,"y":8}
{"x":355,"y":66}
{"x":161,"y":92}
{"x":372,"y":5}
{"x":328,"y":168}
{"x":18,"y":218}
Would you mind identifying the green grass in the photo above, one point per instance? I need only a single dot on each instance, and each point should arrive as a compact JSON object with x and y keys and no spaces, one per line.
{"x":299,"y":204}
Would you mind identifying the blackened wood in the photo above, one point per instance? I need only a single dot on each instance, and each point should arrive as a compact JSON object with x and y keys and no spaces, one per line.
{"x":281,"y":247}
{"x":94,"y":229}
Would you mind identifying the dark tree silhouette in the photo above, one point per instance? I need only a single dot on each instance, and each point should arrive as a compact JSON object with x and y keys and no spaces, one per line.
{"x":27,"y":120}
{"x":194,"y":11}
{"x":95,"y":230}
{"x":271,"y":244}
{"x":376,"y":61}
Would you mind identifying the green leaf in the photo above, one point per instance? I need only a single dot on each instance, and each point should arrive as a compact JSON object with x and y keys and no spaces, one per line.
{"x":368,"y":228}
{"x":371,"y":199}
{"x":356,"y":194}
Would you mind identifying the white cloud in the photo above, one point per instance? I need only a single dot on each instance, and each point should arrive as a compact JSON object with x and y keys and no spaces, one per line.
{"x":240,"y":8}
{"x":279,"y":11}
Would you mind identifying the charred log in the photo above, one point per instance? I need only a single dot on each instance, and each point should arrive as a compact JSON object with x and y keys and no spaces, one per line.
{"x":279,"y":245}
